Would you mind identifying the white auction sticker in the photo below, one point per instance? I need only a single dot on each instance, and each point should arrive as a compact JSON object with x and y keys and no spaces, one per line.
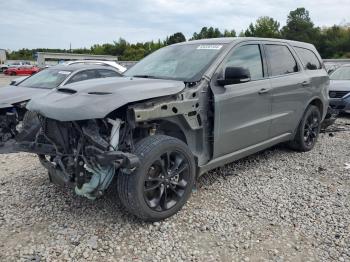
{"x":64,"y":72}
{"x":212,"y":47}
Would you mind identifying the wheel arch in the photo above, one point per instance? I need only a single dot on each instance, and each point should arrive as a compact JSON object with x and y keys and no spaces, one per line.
{"x":172,"y":129}
{"x":316,"y":101}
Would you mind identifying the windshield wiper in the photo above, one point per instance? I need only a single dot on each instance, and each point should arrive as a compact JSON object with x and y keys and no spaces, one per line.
{"x":145,"y":76}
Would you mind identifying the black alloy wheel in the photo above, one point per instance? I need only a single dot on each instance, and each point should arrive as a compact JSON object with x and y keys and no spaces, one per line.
{"x":166,"y":181}
{"x":308,"y":130}
{"x":311,"y":129}
{"x":163,"y":182}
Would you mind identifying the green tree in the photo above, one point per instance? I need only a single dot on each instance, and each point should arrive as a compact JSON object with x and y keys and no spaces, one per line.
{"x":300,"y":27}
{"x":133,"y":53}
{"x":228,"y":33}
{"x":175,"y":38}
{"x":264,"y":27}
{"x":335,"y":42}
{"x":207,"y":33}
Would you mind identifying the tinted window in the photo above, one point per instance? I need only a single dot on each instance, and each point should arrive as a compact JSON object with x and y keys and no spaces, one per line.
{"x":308,"y":58}
{"x":281,"y":60}
{"x":84,"y":75}
{"x":248,"y":57}
{"x":107,"y":73}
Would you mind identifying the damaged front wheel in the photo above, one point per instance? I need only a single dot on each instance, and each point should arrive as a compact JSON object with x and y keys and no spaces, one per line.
{"x":164,"y":181}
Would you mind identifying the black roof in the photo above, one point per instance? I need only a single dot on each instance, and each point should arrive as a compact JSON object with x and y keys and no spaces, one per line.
{"x":228,"y":40}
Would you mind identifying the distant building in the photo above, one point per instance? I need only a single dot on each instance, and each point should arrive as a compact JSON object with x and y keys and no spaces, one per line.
{"x":2,"y":56}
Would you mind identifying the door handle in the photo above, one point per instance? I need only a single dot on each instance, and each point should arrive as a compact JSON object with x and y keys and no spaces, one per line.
{"x":263,"y":91}
{"x":305,"y":83}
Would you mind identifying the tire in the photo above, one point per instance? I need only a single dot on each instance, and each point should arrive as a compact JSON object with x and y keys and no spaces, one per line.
{"x":308,"y":130}
{"x":164,"y":193}
{"x":13,"y":73}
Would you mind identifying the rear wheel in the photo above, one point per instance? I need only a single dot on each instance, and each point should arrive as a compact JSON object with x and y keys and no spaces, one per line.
{"x":308,"y":130}
{"x":164,"y":181}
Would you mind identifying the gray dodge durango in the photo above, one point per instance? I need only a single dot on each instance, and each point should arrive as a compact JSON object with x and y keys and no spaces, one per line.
{"x":178,"y":113}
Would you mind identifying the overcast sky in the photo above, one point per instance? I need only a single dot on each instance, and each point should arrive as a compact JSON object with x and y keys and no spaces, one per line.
{"x":57,"y":23}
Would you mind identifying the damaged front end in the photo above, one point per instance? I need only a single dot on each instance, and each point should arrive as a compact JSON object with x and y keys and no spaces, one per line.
{"x":10,"y":124}
{"x":85,"y":137}
{"x":81,"y":154}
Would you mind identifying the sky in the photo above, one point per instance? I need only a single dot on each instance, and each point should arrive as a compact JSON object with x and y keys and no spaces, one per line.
{"x":57,"y":23}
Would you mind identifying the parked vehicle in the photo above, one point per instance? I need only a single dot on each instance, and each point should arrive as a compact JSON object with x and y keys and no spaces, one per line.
{"x":18,"y":80}
{"x":181,"y":111}
{"x":14,"y":98}
{"x":331,"y":67}
{"x":3,"y":67}
{"x":23,"y":70}
{"x":113,"y":64}
{"x":339,"y":89}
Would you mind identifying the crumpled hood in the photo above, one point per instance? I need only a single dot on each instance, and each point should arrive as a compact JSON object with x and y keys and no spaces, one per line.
{"x":339,"y":85}
{"x":96,"y":98}
{"x":14,"y":94}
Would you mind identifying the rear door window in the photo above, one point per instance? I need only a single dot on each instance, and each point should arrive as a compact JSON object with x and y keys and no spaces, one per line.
{"x":281,"y":60}
{"x":308,"y":58}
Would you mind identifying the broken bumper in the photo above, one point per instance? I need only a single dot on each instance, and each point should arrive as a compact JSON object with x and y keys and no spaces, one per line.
{"x":118,"y":158}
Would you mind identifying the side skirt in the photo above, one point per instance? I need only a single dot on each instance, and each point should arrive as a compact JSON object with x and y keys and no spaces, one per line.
{"x":223,"y":160}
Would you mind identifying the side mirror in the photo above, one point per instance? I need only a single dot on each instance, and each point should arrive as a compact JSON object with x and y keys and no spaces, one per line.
{"x":234,"y":75}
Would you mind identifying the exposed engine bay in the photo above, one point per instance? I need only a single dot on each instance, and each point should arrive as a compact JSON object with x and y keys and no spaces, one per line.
{"x":83,"y":154}
{"x":10,"y":122}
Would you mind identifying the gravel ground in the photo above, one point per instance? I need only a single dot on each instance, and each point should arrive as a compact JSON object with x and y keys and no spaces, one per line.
{"x":276,"y":205}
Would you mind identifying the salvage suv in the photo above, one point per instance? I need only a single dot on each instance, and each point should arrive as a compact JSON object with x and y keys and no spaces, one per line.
{"x":180,"y":112}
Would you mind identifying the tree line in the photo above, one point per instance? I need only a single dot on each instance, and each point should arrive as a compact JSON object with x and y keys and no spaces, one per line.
{"x":331,"y":42}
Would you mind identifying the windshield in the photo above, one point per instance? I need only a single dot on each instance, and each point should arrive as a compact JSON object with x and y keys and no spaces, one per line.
{"x":48,"y":78}
{"x":185,"y":62}
{"x":342,"y":73}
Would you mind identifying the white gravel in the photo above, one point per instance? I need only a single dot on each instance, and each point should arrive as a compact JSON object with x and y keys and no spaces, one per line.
{"x":276,"y":205}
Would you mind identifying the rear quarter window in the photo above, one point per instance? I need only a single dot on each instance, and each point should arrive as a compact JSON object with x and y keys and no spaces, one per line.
{"x":308,"y":58}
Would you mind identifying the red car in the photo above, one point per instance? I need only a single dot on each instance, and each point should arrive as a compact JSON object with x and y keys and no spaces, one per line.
{"x":23,"y":70}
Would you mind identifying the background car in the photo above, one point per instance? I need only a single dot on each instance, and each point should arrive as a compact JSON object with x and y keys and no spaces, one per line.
{"x":120,"y":68}
{"x":3,"y":67}
{"x":13,"y":98}
{"x":23,"y":70}
{"x":18,"y":80}
{"x":339,"y":89}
